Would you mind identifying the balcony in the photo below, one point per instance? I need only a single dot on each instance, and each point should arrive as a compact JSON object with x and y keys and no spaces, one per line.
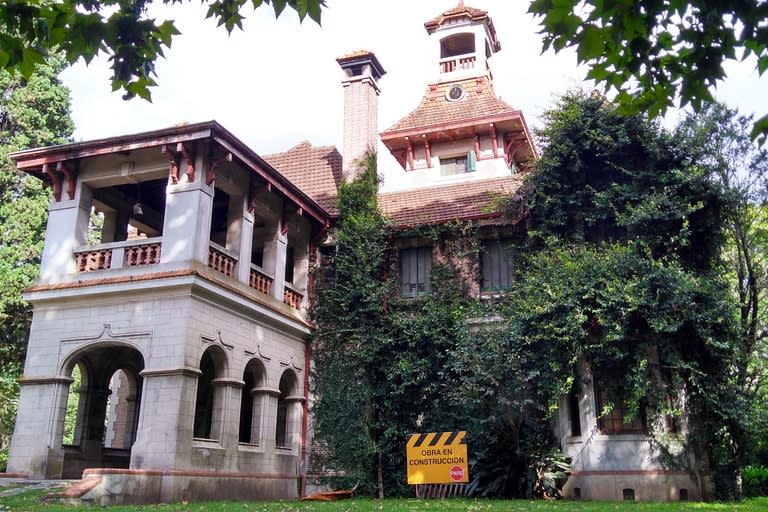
{"x":221,"y":259}
{"x":292,"y":297}
{"x":130,"y":253}
{"x":259,"y":280}
{"x":458,"y":63}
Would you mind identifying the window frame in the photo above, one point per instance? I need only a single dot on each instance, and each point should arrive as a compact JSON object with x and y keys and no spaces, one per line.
{"x":423,"y":262}
{"x":491,"y":251}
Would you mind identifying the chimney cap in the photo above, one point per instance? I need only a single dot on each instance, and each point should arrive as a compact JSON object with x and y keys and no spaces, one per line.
{"x":362,"y":57}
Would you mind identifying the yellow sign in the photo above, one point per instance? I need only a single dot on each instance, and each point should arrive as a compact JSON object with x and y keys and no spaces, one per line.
{"x":437,"y":458}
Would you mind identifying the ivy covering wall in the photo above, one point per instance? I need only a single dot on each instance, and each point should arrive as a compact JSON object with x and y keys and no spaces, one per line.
{"x":616,"y":234}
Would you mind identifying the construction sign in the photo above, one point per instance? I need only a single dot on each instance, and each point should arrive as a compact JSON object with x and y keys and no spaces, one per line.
{"x":437,"y":458}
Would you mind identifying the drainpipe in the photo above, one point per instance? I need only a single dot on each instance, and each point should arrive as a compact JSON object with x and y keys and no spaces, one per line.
{"x":305,"y":422}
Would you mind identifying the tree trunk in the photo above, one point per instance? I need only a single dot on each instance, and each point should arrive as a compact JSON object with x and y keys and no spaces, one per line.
{"x":379,"y":476}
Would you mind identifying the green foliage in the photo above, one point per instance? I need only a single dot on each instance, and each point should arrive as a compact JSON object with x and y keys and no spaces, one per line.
{"x":755,"y":481}
{"x":652,"y":53}
{"x":622,"y":276}
{"x":33,"y":112}
{"x":719,"y":136}
{"x":606,"y":176}
{"x":30,"y":29}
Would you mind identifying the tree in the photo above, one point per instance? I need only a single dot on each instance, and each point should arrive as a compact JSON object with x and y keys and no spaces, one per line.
{"x":653,"y":52}
{"x":620,"y":275}
{"x":33,"y":112}
{"x":31,"y":29}
{"x":719,"y":138}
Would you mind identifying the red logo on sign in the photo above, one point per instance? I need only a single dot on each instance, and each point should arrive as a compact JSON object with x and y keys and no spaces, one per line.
{"x":457,"y":473}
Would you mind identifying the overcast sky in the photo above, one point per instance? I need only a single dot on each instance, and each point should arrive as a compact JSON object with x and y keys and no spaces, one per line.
{"x":277,"y":82}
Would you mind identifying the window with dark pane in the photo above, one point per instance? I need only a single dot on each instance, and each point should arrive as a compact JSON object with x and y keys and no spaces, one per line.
{"x":415,"y":268}
{"x":616,"y":421}
{"x":289,"y":265}
{"x":497,"y":265}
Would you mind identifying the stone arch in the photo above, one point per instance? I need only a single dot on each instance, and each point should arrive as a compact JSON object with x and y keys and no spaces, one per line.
{"x":96,"y":364}
{"x":209,"y":402}
{"x":252,"y":402}
{"x":287,"y":409}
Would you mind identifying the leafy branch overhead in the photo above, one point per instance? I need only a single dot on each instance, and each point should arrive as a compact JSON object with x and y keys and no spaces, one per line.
{"x":653,"y":52}
{"x":31,"y":29}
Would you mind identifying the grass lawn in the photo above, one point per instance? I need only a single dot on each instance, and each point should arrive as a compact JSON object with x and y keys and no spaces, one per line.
{"x":34,"y":501}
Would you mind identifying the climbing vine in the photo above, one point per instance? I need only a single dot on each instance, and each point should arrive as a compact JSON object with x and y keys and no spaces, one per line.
{"x":616,"y":234}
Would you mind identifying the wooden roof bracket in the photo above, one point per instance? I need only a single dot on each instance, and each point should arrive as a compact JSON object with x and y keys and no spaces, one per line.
{"x":288,"y":214}
{"x":255,"y":193}
{"x":409,"y":153}
{"x":175,"y":154}
{"x":427,"y":150}
{"x":64,"y":171}
{"x":214,"y":165}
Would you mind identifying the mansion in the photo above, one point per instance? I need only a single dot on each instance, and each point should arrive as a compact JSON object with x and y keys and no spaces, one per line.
{"x":176,"y":277}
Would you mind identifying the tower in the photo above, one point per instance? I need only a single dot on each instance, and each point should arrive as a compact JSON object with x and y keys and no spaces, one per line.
{"x":461,"y":130}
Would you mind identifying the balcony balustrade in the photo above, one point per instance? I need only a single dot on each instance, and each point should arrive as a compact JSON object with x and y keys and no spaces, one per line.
{"x":222,"y":260}
{"x":292,"y":297}
{"x":259,"y":280}
{"x":458,"y":63}
{"x":130,"y":253}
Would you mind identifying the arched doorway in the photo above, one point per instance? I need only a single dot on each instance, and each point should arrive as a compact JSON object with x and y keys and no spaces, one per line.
{"x":102,"y":410}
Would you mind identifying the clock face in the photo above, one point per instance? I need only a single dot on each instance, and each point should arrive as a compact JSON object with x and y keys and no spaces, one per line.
{"x":454,"y":93}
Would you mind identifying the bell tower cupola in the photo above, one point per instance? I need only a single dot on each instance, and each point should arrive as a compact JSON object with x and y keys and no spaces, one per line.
{"x":463,"y":41}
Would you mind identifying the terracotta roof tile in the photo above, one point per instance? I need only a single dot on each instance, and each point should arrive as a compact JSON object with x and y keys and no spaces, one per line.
{"x":474,"y":13}
{"x":460,"y":201}
{"x":315,"y":170}
{"x":436,"y":109}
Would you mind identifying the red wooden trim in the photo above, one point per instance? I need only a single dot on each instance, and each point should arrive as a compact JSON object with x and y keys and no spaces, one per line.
{"x":71,"y":176}
{"x":477,"y":147}
{"x":172,"y":161}
{"x":214,"y":165}
{"x":288,"y":214}
{"x":189,"y":156}
{"x":427,"y":151}
{"x":55,"y":181}
{"x":494,"y":141}
{"x":252,"y":200}
{"x":409,"y":153}
{"x":450,"y":125}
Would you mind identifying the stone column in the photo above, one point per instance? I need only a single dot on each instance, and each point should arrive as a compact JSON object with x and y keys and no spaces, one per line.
{"x":36,"y":449}
{"x":166,"y":419}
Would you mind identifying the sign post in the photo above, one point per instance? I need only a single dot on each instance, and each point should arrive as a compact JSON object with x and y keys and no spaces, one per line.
{"x":437,"y":458}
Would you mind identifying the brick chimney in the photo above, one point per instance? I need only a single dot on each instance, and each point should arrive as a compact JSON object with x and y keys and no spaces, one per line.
{"x":362,"y":71}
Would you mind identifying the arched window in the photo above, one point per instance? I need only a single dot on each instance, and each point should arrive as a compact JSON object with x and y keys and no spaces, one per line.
{"x":208,"y":403}
{"x":121,"y":417}
{"x":285,"y":413}
{"x":252,"y":403}
{"x":75,"y":412}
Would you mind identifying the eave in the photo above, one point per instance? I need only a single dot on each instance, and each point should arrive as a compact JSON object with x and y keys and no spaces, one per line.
{"x":36,"y":161}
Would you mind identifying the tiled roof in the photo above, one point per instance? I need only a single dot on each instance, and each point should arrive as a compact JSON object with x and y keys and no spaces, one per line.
{"x":315,"y":170}
{"x":475,"y":14}
{"x":435,"y":109}
{"x":472,"y":199}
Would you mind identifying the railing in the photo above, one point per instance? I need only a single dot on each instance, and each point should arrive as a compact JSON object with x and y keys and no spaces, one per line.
{"x":459,"y":62}
{"x":259,"y":280}
{"x":145,"y":254}
{"x":96,"y":259}
{"x":131,"y":253}
{"x":292,"y":297}
{"x":219,"y":259}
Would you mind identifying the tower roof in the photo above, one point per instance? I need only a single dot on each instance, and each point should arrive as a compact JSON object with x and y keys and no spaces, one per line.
{"x":460,"y":11}
{"x":438,"y":119}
